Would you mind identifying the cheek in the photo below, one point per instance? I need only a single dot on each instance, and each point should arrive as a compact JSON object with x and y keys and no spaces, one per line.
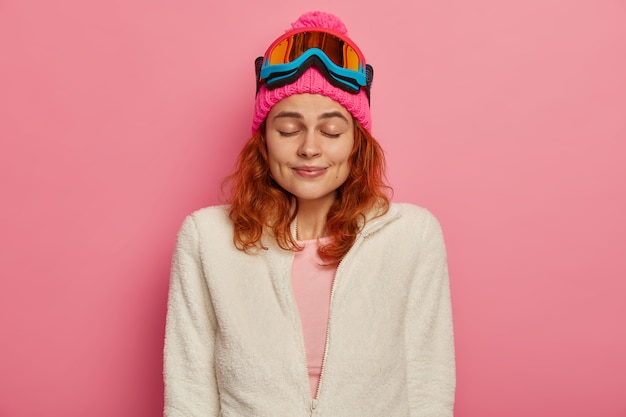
{"x":347,"y":165}
{"x":343,"y":167}
{"x":272,"y":153}
{"x":275,"y":159}
{"x":342,"y":155}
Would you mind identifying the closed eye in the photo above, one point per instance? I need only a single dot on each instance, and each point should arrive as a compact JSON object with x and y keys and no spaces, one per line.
{"x":288,"y":134}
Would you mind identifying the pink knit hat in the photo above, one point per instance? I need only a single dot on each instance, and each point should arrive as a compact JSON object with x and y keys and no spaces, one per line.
{"x":312,"y":81}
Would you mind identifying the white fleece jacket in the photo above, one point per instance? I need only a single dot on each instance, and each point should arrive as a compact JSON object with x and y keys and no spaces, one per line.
{"x":234,"y":345}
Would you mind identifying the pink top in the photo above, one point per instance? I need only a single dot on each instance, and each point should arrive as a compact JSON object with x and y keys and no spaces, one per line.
{"x":312,"y":282}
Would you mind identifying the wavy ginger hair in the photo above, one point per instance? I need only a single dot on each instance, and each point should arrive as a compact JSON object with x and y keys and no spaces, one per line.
{"x":257,"y":202}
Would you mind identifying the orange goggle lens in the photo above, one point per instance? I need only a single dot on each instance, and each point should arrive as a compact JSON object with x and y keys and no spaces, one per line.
{"x":338,"y":50}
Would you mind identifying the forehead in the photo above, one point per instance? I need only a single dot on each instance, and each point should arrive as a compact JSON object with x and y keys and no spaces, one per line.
{"x":309,"y":106}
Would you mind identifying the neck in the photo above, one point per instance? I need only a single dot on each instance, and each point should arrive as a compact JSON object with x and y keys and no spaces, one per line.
{"x":311,"y":218}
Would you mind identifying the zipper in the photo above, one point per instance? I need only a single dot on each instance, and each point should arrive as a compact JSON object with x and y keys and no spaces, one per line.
{"x":330,"y":308}
{"x":313,"y":404}
{"x":326,"y":343}
{"x":303,"y":346}
{"x":314,"y":400}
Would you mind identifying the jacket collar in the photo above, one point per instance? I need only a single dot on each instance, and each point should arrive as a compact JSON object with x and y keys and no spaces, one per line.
{"x":373,"y":221}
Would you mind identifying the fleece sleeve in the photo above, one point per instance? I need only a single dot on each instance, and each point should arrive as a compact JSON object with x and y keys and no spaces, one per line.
{"x":429,"y":332}
{"x":189,"y":365}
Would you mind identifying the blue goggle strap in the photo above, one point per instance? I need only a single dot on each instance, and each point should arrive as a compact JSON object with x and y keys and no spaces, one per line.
{"x":277,"y":72}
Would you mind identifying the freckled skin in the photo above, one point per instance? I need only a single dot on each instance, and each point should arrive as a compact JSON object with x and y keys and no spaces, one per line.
{"x":309,"y":140}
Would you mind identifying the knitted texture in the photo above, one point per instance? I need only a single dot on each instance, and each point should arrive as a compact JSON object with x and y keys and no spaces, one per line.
{"x":320,"y":20}
{"x":312,"y":81}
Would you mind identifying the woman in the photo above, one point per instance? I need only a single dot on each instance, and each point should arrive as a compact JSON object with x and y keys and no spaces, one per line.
{"x":310,"y":294}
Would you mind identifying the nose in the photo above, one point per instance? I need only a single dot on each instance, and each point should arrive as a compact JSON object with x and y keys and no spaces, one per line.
{"x":310,"y":146}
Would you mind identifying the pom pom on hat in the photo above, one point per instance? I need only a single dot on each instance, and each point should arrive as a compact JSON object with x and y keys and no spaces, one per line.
{"x":320,"y":20}
{"x":312,"y":81}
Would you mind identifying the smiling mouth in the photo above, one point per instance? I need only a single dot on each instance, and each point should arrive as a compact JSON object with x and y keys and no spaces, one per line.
{"x":309,"y":172}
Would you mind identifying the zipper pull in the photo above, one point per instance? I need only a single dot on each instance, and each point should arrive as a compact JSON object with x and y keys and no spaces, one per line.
{"x":313,"y":405}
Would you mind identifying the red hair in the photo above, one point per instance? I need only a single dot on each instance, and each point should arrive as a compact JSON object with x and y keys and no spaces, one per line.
{"x":257,"y":202}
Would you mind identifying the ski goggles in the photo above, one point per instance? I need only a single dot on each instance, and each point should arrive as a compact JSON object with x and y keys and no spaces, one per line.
{"x":333,"y":54}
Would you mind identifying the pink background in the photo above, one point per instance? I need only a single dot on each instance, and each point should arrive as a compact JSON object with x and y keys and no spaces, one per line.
{"x":506,"y":119}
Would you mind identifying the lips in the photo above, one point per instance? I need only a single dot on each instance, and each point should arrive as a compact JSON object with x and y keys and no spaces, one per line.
{"x":309,"y":171}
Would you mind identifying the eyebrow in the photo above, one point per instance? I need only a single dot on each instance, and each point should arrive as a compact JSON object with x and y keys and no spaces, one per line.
{"x":332,"y":114}
{"x":289,"y":114}
{"x":296,"y":115}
